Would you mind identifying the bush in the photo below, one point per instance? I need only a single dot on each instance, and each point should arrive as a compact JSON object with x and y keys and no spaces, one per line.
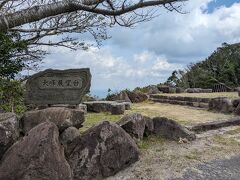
{"x":11,"y":95}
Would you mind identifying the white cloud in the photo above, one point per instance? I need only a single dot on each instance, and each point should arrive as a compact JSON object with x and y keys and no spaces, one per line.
{"x":148,"y":53}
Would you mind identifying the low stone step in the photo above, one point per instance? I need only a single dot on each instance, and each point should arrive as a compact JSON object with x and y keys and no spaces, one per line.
{"x":215,"y":125}
{"x":182,"y":103}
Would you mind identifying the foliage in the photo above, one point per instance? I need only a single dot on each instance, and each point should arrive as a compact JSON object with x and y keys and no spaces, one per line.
{"x":11,"y":96}
{"x":11,"y":49}
{"x":89,"y":97}
{"x":222,"y":66}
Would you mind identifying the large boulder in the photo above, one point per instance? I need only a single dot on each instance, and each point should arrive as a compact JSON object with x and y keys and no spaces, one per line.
{"x":62,"y":117}
{"x":179,"y":90}
{"x":170,"y":129}
{"x":36,"y":156}
{"x":67,"y":137}
{"x":236,"y":102}
{"x":122,"y":96}
{"x":149,"y":126}
{"x":102,"y":151}
{"x":118,"y":109}
{"x":106,"y":106}
{"x":221,"y":104}
{"x":9,"y":131}
{"x":153,"y":89}
{"x":133,"y":124}
{"x":137,"y":97}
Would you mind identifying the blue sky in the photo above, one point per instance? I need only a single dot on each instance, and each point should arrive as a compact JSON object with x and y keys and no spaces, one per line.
{"x":149,"y":52}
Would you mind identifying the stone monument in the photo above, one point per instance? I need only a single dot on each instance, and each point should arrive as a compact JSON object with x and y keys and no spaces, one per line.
{"x":58,"y":87}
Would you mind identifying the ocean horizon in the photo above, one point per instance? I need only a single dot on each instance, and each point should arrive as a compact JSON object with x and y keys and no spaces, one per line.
{"x":101,"y":93}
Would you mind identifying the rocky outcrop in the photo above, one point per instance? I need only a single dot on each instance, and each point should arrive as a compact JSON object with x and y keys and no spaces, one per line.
{"x":134,"y":125}
{"x":102,"y":151}
{"x":67,"y":137}
{"x":171,"y":129}
{"x":221,"y":104}
{"x":137,"y":97}
{"x":9,"y":131}
{"x":62,"y":117}
{"x":36,"y":156}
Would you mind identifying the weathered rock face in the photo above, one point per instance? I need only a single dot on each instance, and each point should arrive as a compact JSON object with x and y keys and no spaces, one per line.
{"x":171,"y":129}
{"x":236,"y":102}
{"x":237,"y":110}
{"x":179,"y":90}
{"x":220,"y":104}
{"x":37,"y":156}
{"x":106,"y":106}
{"x":122,"y":96}
{"x":164,"y":89}
{"x":133,"y":124}
{"x":137,"y":97}
{"x":117,"y":109}
{"x":9,"y":131}
{"x":62,"y":117}
{"x":67,"y":137}
{"x":149,"y":126}
{"x":153,"y":89}
{"x":102,"y":151}
{"x":58,"y":86}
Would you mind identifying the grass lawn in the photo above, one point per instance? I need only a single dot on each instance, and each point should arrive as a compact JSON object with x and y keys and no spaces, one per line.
{"x":231,"y":95}
{"x":182,"y":114}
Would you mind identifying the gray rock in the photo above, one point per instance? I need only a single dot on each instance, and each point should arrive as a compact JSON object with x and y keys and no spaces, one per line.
{"x":105,"y":106}
{"x":137,"y":97}
{"x":118,"y":109}
{"x":221,"y":104}
{"x":149,"y":126}
{"x":127,"y":105}
{"x":171,"y":129}
{"x":102,"y":151}
{"x":36,"y":156}
{"x":133,"y":124}
{"x":83,"y":107}
{"x":179,"y":90}
{"x":153,"y":89}
{"x":58,"y":86}
{"x":67,"y":137}
{"x":236,"y":102}
{"x":237,"y":110}
{"x":62,"y":117}
{"x":215,"y":125}
{"x":9,"y":131}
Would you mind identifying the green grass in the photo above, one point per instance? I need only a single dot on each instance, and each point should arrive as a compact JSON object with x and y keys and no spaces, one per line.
{"x":95,"y":118}
{"x":227,"y":141}
{"x":149,"y":141}
{"x":231,"y":95}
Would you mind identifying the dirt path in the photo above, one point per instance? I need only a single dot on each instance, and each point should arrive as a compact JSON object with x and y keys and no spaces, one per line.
{"x":162,"y":159}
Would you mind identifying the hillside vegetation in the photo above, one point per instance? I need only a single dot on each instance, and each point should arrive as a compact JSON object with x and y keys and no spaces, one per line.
{"x":222,"y":66}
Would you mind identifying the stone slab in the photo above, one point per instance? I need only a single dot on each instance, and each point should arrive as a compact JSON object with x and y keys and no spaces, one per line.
{"x":58,"y":86}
